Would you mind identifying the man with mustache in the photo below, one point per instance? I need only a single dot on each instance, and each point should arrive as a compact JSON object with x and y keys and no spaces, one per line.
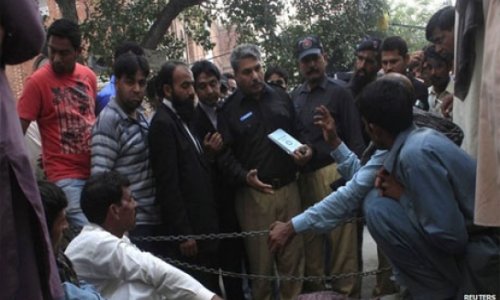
{"x":320,"y":171}
{"x":120,"y":142}
{"x":366,"y":66}
{"x":265,"y":174}
{"x":60,"y":97}
{"x":182,"y":174}
{"x":438,"y":68}
{"x":395,"y":58}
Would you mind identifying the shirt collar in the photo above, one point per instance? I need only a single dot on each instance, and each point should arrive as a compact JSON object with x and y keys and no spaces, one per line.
{"x":304,"y":88}
{"x":207,"y":108}
{"x":169,"y":104}
{"x":266,"y":90}
{"x":393,"y":154}
{"x":140,"y":115}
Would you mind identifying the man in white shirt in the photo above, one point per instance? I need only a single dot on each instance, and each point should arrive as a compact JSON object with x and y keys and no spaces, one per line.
{"x":104,"y":257}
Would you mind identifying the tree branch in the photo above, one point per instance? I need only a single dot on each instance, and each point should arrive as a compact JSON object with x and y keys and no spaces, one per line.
{"x":164,"y":20}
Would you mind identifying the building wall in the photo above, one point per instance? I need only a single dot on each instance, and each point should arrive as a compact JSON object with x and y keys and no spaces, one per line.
{"x":223,"y":39}
{"x":49,"y":10}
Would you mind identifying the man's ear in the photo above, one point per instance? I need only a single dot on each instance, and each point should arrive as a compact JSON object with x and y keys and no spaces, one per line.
{"x":406,"y":58}
{"x":325,"y":57}
{"x":167,"y":91}
{"x":113,"y":211}
{"x":375,"y":130}
{"x":78,"y":51}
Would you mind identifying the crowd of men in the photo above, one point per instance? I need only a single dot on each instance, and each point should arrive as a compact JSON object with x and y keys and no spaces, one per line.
{"x":202,"y":163}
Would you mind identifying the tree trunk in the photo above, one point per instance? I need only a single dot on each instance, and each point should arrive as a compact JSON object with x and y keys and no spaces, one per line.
{"x":164,"y":20}
{"x":68,"y":9}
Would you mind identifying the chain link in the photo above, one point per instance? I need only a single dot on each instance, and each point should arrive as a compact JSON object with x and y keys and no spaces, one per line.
{"x":219,"y":236}
{"x":223,"y":273}
{"x":213,"y":236}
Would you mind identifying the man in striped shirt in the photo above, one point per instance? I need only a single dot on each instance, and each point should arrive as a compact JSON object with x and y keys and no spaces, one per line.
{"x":119,"y":143}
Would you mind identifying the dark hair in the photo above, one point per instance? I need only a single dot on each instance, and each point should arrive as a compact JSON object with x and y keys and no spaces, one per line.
{"x":370,"y":44}
{"x":395,"y":43}
{"x":128,"y":64}
{"x":64,"y":28}
{"x":276,"y":70}
{"x":388,"y":104}
{"x":53,"y":199}
{"x":127,"y":47}
{"x":99,"y":192}
{"x":166,"y":75}
{"x":205,"y":66}
{"x":228,"y":75}
{"x":443,"y":19}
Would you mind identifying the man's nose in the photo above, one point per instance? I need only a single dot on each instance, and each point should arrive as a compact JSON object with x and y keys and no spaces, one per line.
{"x":439,"y":48}
{"x":57,"y":58}
{"x":361,"y":64}
{"x":210,"y":89}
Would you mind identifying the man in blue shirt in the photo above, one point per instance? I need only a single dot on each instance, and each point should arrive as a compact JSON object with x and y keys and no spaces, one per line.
{"x":427,"y":233}
{"x":109,"y":89}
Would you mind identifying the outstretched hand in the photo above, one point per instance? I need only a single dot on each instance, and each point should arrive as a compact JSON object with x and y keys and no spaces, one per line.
{"x":326,"y":122}
{"x":280,"y":234}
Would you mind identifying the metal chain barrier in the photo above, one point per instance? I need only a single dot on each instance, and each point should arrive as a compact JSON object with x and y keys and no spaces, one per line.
{"x":223,"y":273}
{"x":219,"y":236}
{"x":215,"y":236}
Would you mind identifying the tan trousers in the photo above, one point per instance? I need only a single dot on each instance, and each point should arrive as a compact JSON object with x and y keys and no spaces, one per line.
{"x":344,"y":258}
{"x":256,"y":211}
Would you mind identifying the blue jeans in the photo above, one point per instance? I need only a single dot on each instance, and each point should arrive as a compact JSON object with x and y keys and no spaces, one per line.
{"x":73,"y":189}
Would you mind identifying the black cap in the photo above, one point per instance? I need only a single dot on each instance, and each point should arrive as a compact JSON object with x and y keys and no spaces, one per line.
{"x":307,"y":46}
{"x":369,"y":43}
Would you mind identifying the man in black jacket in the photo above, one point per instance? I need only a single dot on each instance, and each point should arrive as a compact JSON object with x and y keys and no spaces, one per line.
{"x":182,"y":176}
{"x":265,"y":173}
{"x":207,"y":86}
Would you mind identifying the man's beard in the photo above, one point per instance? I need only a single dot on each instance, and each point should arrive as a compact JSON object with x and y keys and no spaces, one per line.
{"x":358,"y":82}
{"x":184,"y":108}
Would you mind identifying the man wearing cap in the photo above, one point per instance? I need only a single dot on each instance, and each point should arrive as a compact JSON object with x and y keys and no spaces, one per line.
{"x":366,"y":66}
{"x":320,"y":171}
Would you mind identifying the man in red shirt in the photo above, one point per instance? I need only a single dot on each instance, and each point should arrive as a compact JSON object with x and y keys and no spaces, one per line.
{"x":60,"y":97}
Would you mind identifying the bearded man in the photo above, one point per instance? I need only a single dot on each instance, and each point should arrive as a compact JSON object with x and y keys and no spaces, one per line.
{"x":181,"y":171}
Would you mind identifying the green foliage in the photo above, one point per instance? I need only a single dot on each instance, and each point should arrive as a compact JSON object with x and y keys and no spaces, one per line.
{"x":408,"y":20}
{"x":340,"y":24}
{"x":197,"y":22}
{"x":275,"y":25}
{"x":113,"y":22}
